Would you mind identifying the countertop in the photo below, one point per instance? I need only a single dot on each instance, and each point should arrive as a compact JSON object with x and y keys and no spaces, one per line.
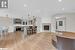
{"x":63,"y":40}
{"x":70,"y":35}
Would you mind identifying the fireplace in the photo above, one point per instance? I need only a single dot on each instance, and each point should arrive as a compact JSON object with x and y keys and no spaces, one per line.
{"x":46,"y":27}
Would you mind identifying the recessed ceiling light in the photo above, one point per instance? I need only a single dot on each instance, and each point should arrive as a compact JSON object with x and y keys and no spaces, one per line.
{"x":25,"y":5}
{"x":60,"y":0}
{"x":62,"y":8}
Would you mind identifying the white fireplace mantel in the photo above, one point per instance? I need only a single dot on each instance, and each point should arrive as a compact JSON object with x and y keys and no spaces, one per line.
{"x":46,"y":24}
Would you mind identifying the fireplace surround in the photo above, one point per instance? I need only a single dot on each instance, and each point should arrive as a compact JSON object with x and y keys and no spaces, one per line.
{"x":46,"y":27}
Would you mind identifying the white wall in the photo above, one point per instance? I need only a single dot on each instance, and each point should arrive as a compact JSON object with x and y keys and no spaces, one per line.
{"x":53,"y":25}
{"x":38,"y":24}
{"x":70,"y":23}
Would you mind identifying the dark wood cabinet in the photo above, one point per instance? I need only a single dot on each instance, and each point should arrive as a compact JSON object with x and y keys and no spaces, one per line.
{"x":31,"y":30}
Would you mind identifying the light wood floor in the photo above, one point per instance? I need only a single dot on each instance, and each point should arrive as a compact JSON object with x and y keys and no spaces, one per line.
{"x":40,"y":41}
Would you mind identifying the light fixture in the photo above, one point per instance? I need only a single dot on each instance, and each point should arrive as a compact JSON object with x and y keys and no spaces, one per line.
{"x":60,"y":0}
{"x":25,"y":5}
{"x":63,"y":9}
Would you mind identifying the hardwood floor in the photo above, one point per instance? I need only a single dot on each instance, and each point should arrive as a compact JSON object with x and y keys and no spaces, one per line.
{"x":10,"y":39}
{"x":40,"y":41}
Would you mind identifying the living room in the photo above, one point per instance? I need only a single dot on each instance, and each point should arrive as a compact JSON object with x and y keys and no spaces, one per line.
{"x":38,"y":24}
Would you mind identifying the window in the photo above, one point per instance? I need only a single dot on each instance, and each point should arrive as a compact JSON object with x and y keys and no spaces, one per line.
{"x":60,"y":23}
{"x":3,"y":3}
{"x":17,"y":21}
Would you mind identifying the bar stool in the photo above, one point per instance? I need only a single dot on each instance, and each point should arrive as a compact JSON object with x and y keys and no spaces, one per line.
{"x":3,"y":32}
{"x":25,"y":32}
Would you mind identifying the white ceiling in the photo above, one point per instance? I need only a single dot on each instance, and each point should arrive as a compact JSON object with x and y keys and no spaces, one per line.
{"x":41,"y":7}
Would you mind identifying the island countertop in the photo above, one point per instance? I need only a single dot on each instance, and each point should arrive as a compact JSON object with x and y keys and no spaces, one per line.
{"x":69,"y":35}
{"x":64,"y":40}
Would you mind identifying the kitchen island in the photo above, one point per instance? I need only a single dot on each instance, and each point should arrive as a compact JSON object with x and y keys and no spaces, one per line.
{"x":64,"y":40}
